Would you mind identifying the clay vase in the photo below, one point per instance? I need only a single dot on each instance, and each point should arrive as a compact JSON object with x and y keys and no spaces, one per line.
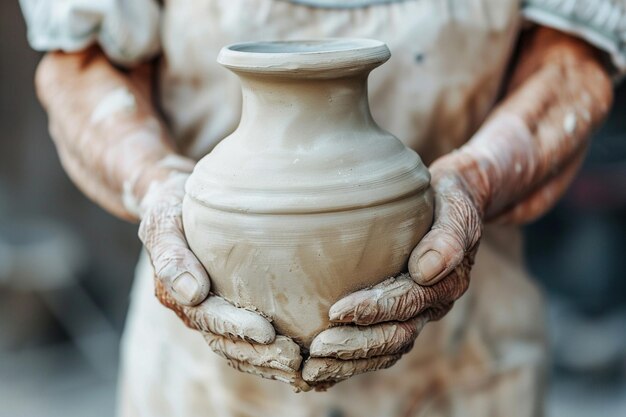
{"x":308,"y":199}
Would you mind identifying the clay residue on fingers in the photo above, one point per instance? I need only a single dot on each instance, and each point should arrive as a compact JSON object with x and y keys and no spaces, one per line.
{"x":218,"y":316}
{"x":283,"y":354}
{"x":327,"y":369}
{"x":356,"y":342}
{"x":291,"y":377}
{"x":402,"y":298}
{"x":388,"y":300}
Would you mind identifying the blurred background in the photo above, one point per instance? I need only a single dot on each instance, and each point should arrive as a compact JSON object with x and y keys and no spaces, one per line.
{"x":66,"y":268}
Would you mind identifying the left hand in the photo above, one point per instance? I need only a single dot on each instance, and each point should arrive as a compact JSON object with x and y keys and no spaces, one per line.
{"x":381,"y":323}
{"x":244,"y":338}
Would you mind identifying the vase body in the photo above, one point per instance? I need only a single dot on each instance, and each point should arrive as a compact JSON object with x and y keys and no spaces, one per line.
{"x":308,"y":199}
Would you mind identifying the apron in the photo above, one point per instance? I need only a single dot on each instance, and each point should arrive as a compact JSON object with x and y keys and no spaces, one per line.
{"x":487,"y":356}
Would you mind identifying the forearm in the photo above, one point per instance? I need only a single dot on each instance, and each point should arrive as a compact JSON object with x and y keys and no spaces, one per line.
{"x":109,"y":138}
{"x":559,"y":93}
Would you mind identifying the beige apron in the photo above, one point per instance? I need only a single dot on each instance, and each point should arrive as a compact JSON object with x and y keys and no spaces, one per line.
{"x":487,"y":356}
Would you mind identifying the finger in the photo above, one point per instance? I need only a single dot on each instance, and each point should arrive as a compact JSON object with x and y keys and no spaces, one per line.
{"x":358,"y":342}
{"x":545,"y":197}
{"x":292,"y":378}
{"x":455,"y":231}
{"x":396,"y":299}
{"x":174,"y":264}
{"x":283,"y":354}
{"x":216,"y":315}
{"x":400,"y":299}
{"x":318,"y":370}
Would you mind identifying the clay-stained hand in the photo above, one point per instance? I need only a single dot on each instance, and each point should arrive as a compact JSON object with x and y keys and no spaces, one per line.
{"x":380,"y":324}
{"x":244,"y":338}
{"x":513,"y":169}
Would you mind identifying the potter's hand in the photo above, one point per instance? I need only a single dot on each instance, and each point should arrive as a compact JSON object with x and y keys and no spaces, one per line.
{"x":244,"y":338}
{"x":513,"y":168}
{"x":115,"y":147}
{"x":381,"y":323}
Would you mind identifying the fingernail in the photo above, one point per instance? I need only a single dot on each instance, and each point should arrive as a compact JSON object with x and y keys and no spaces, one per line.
{"x":186,"y":286}
{"x":429,"y":266}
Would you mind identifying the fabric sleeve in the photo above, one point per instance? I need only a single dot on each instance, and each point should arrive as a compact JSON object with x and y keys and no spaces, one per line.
{"x":126,"y":30}
{"x":602,"y":23}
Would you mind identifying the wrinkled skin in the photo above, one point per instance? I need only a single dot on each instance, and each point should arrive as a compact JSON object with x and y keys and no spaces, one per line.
{"x":125,"y":161}
{"x":381,"y":323}
{"x":244,"y":338}
{"x":513,"y":170}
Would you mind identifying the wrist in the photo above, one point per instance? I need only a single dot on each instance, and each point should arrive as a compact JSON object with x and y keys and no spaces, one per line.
{"x":499,"y":164}
{"x":151,"y":177}
{"x":460,"y":171}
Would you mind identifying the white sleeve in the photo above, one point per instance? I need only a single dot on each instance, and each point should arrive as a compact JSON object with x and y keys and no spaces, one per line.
{"x":602,"y":23}
{"x":126,"y":30}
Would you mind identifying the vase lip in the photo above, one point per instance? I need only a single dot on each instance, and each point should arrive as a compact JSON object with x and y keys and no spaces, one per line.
{"x":316,"y":58}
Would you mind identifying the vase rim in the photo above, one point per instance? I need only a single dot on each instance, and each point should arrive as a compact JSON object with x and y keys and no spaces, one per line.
{"x":324,"y":58}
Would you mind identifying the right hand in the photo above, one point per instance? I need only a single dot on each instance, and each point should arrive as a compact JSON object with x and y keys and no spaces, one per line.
{"x":244,"y":338}
{"x":375,"y":326}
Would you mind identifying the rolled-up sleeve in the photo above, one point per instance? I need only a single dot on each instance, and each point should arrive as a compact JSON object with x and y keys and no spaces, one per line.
{"x":602,"y":23}
{"x":126,"y":30}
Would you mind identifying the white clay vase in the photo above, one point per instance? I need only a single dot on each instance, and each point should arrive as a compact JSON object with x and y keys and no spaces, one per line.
{"x":308,"y":199}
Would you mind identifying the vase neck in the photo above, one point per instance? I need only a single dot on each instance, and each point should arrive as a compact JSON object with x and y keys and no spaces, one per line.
{"x":286,"y":109}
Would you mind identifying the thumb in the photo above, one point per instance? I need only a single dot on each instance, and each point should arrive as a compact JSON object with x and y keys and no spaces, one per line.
{"x":456,"y":230}
{"x":175,"y":266}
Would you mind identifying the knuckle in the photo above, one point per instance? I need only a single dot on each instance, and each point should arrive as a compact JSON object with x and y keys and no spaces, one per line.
{"x":412,"y":303}
{"x":368,"y":312}
{"x":168,"y":263}
{"x":461,"y":225}
{"x":402,"y":335}
{"x":398,"y":300}
{"x":453,"y":287}
{"x":443,"y":293}
{"x":206,"y":322}
{"x":458,"y":215}
{"x":160,"y":220}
